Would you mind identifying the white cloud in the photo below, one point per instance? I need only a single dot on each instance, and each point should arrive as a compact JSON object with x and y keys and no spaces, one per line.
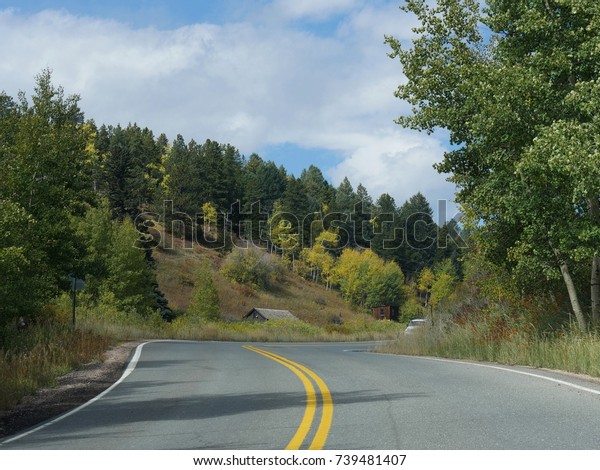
{"x":251,"y":83}
{"x":313,"y":9}
{"x":399,"y":163}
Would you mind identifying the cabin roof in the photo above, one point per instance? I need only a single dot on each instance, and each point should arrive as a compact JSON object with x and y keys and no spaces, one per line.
{"x":271,"y":314}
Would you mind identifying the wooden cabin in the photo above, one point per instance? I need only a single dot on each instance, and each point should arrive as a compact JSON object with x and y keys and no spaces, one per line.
{"x":386,"y":312}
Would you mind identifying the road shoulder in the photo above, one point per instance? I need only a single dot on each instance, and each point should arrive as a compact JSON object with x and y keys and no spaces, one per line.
{"x":72,"y":390}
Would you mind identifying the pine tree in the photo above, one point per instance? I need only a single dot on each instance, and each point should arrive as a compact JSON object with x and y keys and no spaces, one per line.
{"x":344,"y":209}
{"x":420,"y":236}
{"x":388,"y":235}
{"x":362,"y":216}
{"x":129,"y":279}
{"x":295,"y":204}
{"x":317,"y":188}
{"x":183,"y":182}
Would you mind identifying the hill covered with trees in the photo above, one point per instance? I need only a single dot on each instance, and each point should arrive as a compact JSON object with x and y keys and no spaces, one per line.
{"x":93,"y":201}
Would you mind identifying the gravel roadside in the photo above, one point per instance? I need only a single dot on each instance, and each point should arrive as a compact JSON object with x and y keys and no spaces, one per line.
{"x":72,"y":390}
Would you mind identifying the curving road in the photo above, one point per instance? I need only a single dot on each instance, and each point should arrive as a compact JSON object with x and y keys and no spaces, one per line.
{"x":208,"y":395}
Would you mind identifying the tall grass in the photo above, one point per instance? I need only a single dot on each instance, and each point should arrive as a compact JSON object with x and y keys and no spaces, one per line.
{"x":566,"y":351}
{"x":188,"y":328}
{"x":34,"y":358}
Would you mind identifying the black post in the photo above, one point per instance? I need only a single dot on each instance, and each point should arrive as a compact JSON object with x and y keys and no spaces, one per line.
{"x":74,"y":292}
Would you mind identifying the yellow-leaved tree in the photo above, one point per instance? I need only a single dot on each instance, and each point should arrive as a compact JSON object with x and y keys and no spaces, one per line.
{"x":320,"y":261}
{"x":367,"y":280}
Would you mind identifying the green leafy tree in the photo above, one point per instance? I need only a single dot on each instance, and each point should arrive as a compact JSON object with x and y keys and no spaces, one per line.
{"x":452,"y":244}
{"x":205,"y":298}
{"x":45,"y":155}
{"x":24,"y":287}
{"x":352,"y":274}
{"x":386,"y":286}
{"x":96,"y":231}
{"x":520,"y":106}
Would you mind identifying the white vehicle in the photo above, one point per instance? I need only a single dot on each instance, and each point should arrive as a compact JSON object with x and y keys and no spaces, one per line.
{"x":415,"y":324}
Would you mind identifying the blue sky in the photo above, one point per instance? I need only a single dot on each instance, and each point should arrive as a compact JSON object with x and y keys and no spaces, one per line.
{"x":139,"y":14}
{"x":299,"y":82}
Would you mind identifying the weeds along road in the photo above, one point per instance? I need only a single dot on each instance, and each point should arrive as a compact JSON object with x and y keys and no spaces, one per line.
{"x":189,"y":395}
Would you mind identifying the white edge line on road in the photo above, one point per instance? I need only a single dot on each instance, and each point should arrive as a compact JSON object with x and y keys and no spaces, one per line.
{"x":130,"y":367}
{"x":506,"y":369}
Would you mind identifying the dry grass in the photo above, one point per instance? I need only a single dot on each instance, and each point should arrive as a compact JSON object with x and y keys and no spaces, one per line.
{"x":566,"y":351}
{"x":272,"y":331}
{"x":38,"y":355}
{"x":177,"y":270}
{"x":308,"y":301}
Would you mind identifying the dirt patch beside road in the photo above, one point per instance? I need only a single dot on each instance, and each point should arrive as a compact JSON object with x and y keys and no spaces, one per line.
{"x":72,"y":390}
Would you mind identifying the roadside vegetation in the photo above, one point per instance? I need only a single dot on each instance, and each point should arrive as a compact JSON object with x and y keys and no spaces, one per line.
{"x":515,"y":85}
{"x":179,"y":239}
{"x":563,"y":351}
{"x":486,"y":317}
{"x":35,"y":359}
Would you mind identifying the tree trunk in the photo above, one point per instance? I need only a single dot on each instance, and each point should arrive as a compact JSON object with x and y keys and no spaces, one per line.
{"x":564,"y":269}
{"x":595,"y":277}
{"x":595,"y":291}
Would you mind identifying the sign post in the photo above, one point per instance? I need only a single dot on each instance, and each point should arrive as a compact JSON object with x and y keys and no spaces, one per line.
{"x":76,"y":284}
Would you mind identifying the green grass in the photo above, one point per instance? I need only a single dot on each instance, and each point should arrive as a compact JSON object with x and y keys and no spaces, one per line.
{"x":566,"y":351}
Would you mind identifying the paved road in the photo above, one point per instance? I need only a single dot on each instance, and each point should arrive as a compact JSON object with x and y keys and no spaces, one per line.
{"x":188,"y":395}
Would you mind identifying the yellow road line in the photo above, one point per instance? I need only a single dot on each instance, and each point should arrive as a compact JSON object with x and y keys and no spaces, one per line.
{"x":327,"y":415}
{"x":311,"y":402}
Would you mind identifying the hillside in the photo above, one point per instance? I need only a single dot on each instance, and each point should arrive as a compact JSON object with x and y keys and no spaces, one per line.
{"x":309,"y":301}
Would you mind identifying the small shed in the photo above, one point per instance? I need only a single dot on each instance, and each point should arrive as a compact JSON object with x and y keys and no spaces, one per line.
{"x":386,"y":312}
{"x":266,"y":314}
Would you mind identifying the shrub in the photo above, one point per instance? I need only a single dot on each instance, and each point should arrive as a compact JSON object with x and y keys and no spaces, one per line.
{"x":252,"y":266}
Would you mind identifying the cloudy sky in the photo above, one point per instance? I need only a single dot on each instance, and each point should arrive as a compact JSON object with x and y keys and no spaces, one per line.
{"x":299,"y":82}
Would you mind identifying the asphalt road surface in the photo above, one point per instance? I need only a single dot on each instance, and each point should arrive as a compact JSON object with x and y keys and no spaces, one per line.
{"x":209,"y":395}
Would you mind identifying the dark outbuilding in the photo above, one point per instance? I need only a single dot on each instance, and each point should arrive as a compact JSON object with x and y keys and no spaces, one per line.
{"x":265,"y":314}
{"x":386,"y":312}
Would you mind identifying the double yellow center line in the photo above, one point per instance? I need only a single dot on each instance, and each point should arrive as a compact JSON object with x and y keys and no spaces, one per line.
{"x":305,"y":375}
